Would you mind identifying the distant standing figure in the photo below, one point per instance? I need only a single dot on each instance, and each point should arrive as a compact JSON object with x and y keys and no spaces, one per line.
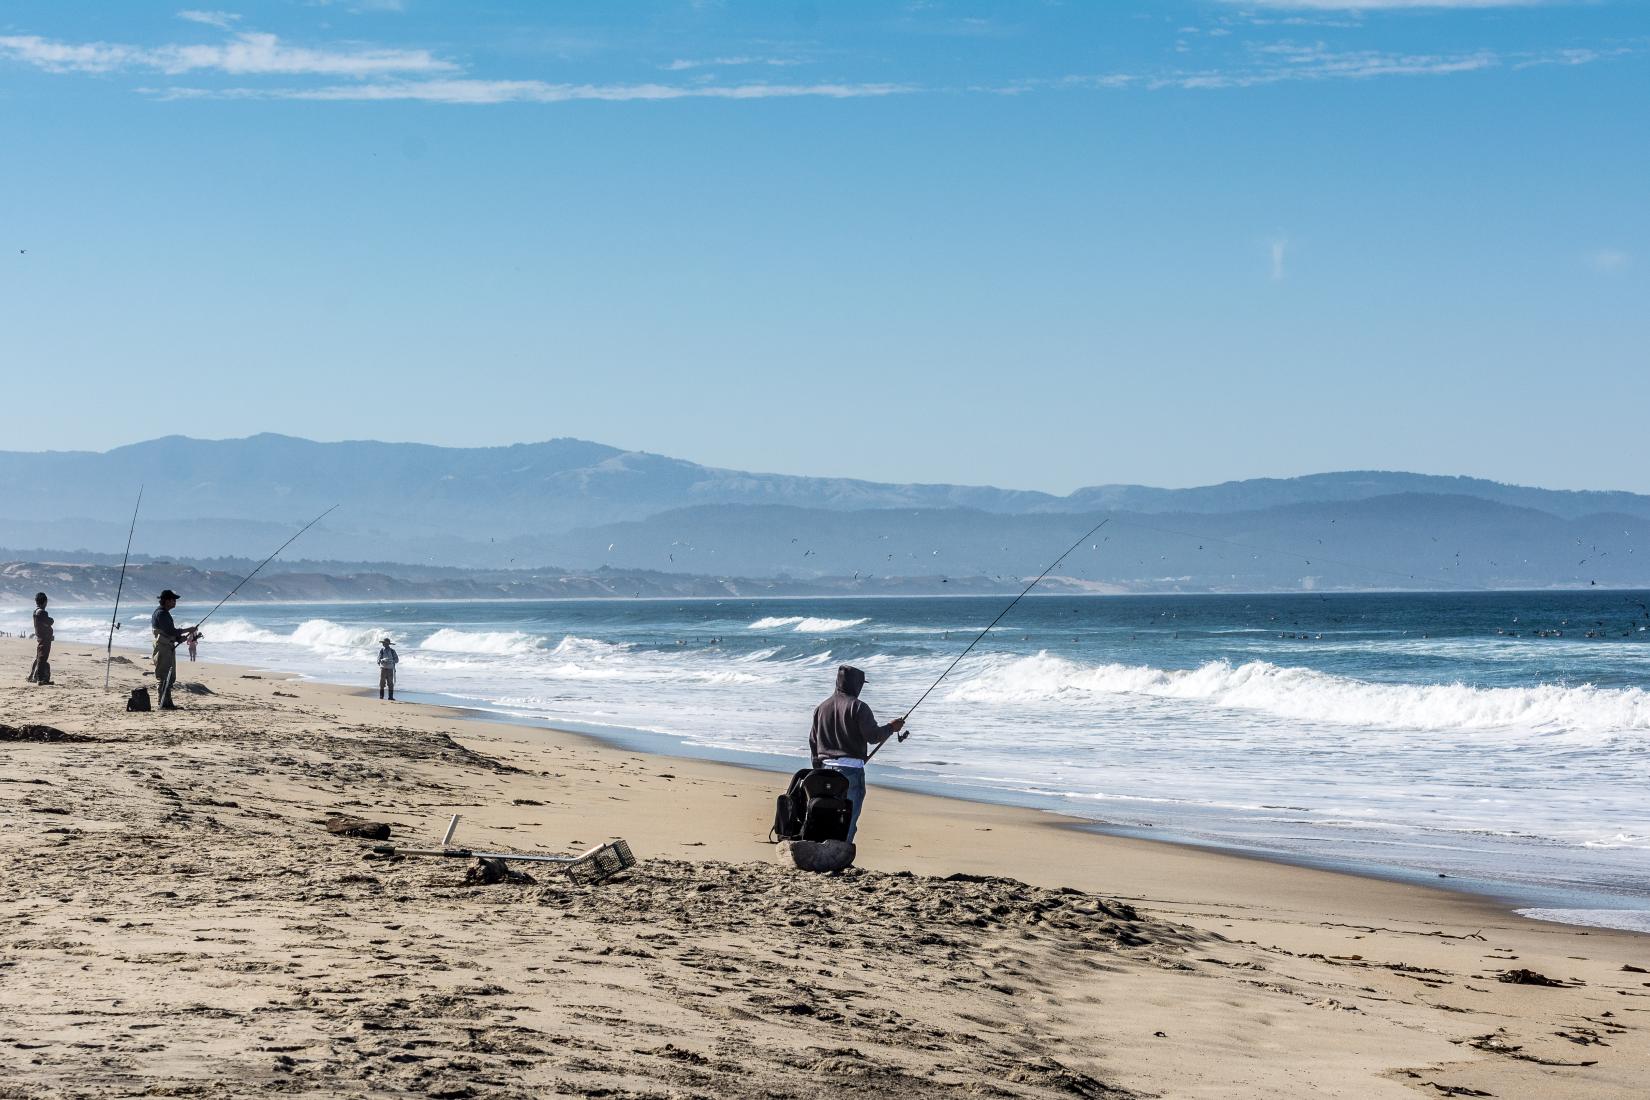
{"x":194,"y":641}
{"x":844,"y":729}
{"x":167,"y":637}
{"x":41,"y":671}
{"x":387,"y":660}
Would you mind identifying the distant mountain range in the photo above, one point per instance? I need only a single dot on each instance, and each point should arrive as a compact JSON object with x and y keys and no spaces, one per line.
{"x":583,"y":506}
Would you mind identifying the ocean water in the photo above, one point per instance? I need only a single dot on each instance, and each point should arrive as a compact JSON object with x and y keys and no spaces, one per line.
{"x":1501,"y":740}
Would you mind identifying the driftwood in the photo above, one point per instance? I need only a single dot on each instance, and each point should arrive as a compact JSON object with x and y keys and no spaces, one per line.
{"x":344,"y":825}
{"x":39,"y":733}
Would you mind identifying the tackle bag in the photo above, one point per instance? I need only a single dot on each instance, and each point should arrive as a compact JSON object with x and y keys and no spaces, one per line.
{"x":138,"y":700}
{"x":814,"y":807}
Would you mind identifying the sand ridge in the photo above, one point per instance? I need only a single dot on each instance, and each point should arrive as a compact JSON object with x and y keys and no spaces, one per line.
{"x":177,"y":921}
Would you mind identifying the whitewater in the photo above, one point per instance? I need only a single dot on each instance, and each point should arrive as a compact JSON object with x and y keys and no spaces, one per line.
{"x":1500,"y":740}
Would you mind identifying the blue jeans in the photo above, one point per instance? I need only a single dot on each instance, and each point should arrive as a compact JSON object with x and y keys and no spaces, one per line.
{"x":856,"y":795}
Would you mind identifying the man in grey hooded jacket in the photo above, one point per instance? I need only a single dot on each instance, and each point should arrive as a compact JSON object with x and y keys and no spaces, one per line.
{"x":844,"y":729}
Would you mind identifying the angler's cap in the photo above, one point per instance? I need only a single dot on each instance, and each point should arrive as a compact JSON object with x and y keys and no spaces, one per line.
{"x":386,"y":641}
{"x":168,"y":594}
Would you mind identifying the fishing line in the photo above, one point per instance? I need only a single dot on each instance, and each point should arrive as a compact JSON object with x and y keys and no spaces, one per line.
{"x":903,"y":734}
{"x":114,"y":619}
{"x":263,"y":563}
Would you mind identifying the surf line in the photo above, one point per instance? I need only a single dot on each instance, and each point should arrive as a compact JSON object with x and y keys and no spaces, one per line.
{"x":114,"y":619}
{"x":904,"y":733}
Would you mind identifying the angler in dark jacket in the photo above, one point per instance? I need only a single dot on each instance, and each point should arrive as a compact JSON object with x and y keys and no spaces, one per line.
{"x":167,"y":636}
{"x":844,"y":730}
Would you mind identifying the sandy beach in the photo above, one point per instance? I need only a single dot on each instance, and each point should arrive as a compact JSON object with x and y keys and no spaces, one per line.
{"x":177,"y":921}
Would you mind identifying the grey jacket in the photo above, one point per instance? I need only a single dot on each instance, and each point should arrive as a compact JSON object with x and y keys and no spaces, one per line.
{"x":844,"y":727}
{"x":42,"y":625}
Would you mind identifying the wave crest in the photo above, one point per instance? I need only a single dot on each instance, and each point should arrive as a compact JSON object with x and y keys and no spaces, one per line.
{"x":805,"y":624}
{"x":324,"y":634}
{"x":494,"y":642}
{"x":1307,"y":695}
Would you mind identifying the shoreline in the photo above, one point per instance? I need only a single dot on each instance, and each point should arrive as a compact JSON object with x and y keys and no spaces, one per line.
{"x":661,"y":745}
{"x":1495,"y":893}
{"x":670,"y":746}
{"x":240,"y":947}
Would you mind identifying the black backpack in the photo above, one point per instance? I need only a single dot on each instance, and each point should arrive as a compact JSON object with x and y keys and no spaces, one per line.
{"x":814,"y":807}
{"x":138,"y":700}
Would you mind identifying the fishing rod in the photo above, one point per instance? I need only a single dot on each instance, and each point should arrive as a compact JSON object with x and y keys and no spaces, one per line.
{"x":263,"y":563}
{"x":903,"y":733}
{"x":114,"y":619}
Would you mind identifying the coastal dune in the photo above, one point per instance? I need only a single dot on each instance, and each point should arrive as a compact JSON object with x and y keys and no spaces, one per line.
{"x":177,"y":920}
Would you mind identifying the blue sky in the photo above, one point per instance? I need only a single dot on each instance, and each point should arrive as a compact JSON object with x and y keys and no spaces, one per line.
{"x":1033,"y":244}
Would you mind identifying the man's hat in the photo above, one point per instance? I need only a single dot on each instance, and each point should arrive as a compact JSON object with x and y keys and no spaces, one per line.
{"x":386,"y":641}
{"x":168,"y":594}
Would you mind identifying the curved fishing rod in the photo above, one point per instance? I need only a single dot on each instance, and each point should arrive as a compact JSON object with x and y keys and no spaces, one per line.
{"x":114,"y":619}
{"x":903,"y":734}
{"x":263,"y":563}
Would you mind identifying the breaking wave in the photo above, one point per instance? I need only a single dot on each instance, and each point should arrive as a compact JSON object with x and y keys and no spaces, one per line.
{"x":324,"y":635}
{"x":805,"y":624}
{"x":1307,"y":695}
{"x":494,"y":642}
{"x":238,"y":630}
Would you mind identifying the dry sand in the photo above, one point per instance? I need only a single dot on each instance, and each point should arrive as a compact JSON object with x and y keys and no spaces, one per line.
{"x":176,"y":921}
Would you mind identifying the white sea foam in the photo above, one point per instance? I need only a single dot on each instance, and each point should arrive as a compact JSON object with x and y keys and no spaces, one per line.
{"x":325,"y":636}
{"x":1620,"y":840}
{"x":1306,"y":695}
{"x":806,"y":624}
{"x":489,"y":642}
{"x":239,"y":630}
{"x":1633,"y":920}
{"x":774,"y":622}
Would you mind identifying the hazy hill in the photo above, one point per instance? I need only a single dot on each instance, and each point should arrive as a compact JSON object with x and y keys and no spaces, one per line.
{"x":584,"y":506}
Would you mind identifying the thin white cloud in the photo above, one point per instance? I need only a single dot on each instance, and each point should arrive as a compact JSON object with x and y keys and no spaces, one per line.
{"x":1278,"y":248}
{"x":1608,"y":260}
{"x":683,"y":64}
{"x":245,"y":54}
{"x":465,"y":91}
{"x":222,"y":19}
{"x":1282,"y":62}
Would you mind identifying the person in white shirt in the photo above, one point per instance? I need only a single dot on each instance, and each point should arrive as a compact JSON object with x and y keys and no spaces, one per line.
{"x":387,"y":660}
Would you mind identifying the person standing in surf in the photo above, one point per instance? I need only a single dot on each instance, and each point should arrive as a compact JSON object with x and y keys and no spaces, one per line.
{"x":387,"y":660}
{"x":843,"y":733}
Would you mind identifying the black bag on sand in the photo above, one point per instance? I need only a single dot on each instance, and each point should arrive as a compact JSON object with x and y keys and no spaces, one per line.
{"x":814,"y":807}
{"x":138,"y":700}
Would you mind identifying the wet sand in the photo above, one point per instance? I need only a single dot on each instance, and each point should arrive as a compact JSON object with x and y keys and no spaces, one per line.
{"x":176,"y":920}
